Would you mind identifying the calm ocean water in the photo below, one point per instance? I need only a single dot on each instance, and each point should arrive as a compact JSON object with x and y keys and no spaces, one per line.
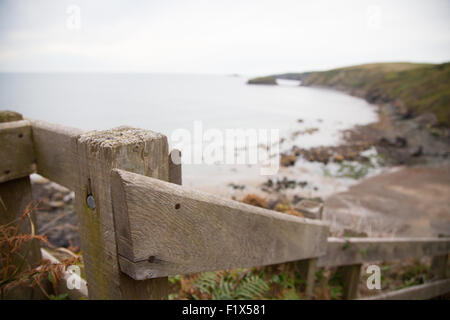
{"x":165,"y":102}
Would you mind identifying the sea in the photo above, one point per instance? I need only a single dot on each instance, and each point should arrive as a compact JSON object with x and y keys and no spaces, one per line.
{"x":172,"y":103}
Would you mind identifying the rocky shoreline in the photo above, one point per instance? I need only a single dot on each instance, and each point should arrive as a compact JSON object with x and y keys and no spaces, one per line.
{"x":55,"y":214}
{"x":399,"y":140}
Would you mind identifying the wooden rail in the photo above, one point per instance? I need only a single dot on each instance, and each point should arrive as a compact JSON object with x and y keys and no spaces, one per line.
{"x":350,"y":251}
{"x":187,"y":231}
{"x":138,"y":225}
{"x":56,"y":152}
{"x":420,"y":292}
{"x":349,"y":254}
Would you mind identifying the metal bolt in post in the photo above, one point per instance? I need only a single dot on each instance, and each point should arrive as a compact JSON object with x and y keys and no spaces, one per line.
{"x":90,"y":201}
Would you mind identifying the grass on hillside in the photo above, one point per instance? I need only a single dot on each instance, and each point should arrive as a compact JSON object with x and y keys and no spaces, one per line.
{"x":263,"y":80}
{"x":420,"y":88}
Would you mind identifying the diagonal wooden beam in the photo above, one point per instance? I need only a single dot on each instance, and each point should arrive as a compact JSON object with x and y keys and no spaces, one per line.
{"x":168,"y":229}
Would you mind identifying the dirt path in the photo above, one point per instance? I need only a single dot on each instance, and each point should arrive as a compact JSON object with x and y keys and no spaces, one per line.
{"x":412,"y":201}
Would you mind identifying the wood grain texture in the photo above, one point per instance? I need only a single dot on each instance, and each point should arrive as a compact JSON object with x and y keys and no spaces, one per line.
{"x":16,"y":150}
{"x":56,"y":155}
{"x":307,"y":269}
{"x":156,"y":288}
{"x":175,"y":173}
{"x":420,"y":292}
{"x":360,"y":250}
{"x":140,"y":151}
{"x":175,"y":230}
{"x":351,"y":277}
{"x":439,"y":266}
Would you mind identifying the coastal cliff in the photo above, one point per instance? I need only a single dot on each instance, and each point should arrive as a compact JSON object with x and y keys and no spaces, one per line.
{"x":414,"y":89}
{"x":270,"y":80}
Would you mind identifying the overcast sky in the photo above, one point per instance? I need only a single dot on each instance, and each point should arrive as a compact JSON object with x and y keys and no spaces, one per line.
{"x":193,"y":36}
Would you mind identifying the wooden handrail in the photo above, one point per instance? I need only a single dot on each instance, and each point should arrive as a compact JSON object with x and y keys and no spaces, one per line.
{"x":177,"y":230}
{"x":56,"y":154}
{"x":349,"y":251}
{"x":420,"y":292}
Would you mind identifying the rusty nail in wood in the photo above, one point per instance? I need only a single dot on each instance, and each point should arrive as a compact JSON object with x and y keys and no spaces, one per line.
{"x":151,"y":259}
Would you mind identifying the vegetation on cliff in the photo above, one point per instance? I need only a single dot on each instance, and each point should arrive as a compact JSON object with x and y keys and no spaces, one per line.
{"x":414,"y":88}
{"x":270,"y":80}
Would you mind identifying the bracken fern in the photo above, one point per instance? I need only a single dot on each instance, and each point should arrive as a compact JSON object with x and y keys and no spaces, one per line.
{"x":220,"y":286}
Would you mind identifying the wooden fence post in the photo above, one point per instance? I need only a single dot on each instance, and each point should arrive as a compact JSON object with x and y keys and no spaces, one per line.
{"x":307,"y":269}
{"x":139,"y":151}
{"x":16,"y":163}
{"x":439,"y":266}
{"x":351,"y":276}
{"x":175,"y":166}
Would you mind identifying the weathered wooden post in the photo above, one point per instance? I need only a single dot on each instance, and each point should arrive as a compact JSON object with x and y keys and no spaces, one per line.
{"x":307,"y":269}
{"x":351,"y":275}
{"x":135,"y":150}
{"x":16,"y":164}
{"x":175,"y":167}
{"x":439,"y":266}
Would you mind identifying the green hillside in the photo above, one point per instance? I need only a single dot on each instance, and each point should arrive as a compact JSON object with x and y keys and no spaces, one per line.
{"x":417,"y":87}
{"x":270,"y":80}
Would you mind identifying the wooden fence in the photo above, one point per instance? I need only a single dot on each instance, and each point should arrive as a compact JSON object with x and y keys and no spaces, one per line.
{"x":138,"y":225}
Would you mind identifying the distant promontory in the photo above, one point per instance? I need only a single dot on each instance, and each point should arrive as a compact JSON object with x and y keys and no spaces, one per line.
{"x":414,"y":88}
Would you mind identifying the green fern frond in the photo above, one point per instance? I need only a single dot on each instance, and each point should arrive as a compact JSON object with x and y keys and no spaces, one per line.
{"x":220,"y":286}
{"x":251,"y":287}
{"x":207,"y":282}
{"x":224,"y":291}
